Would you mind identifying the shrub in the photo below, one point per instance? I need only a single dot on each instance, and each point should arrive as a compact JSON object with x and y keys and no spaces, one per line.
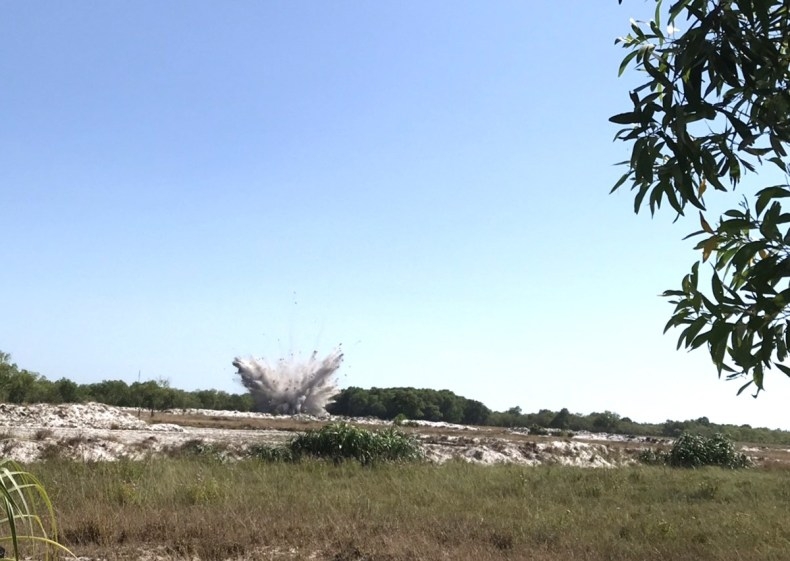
{"x":340,"y":441}
{"x":538,"y":430}
{"x":695,"y":451}
{"x":692,"y":451}
{"x":197,"y":448}
{"x":270,"y":453}
{"x":43,"y":434}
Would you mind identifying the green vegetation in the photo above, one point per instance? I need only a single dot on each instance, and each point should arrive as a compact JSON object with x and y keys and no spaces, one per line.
{"x":404,"y":404}
{"x":196,"y":506}
{"x":694,"y":451}
{"x":18,"y":385}
{"x":409,"y":403}
{"x":334,"y":441}
{"x":714,"y":106}
{"x":340,"y":441}
{"x":28,"y":521}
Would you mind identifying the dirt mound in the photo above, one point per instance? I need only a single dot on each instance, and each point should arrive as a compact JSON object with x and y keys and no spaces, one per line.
{"x":74,"y":416}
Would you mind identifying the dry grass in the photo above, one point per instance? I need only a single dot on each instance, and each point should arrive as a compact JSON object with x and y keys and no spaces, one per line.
{"x":201,"y":507}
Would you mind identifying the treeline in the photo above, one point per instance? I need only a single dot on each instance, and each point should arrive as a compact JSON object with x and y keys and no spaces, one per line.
{"x":23,"y":386}
{"x":409,"y":403}
{"x":563,"y":421}
{"x":444,"y":405}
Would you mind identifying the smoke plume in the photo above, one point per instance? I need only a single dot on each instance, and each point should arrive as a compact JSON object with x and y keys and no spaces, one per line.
{"x":291,"y":387}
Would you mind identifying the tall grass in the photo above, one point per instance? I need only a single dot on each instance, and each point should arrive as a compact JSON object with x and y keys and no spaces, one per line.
{"x":28,"y":523}
{"x":216,"y":510}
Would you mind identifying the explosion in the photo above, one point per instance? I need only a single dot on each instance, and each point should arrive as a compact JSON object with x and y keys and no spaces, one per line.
{"x":291,"y":387}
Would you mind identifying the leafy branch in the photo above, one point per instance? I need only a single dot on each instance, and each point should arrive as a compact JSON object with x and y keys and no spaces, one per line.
{"x":715,"y":105}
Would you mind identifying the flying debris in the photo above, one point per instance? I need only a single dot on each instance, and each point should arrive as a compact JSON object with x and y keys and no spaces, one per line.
{"x":293,"y":386}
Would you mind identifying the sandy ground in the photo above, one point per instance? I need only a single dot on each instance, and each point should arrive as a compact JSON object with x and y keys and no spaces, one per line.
{"x":97,"y":432}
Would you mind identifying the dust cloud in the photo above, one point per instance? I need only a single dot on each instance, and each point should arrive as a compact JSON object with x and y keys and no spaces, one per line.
{"x":291,"y":386}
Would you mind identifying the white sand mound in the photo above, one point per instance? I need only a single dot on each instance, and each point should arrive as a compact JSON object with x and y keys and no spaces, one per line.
{"x":97,"y":432}
{"x":79,"y":416}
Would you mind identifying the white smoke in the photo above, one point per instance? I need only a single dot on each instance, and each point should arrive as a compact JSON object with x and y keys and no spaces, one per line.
{"x":291,"y":387}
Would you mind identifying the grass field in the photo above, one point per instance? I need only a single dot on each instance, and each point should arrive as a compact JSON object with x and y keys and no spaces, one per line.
{"x":199,"y":506}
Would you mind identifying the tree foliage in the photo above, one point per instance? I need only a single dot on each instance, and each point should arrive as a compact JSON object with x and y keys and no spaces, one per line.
{"x":411,"y":403}
{"x":18,"y":385}
{"x":715,"y":106}
{"x":385,"y":403}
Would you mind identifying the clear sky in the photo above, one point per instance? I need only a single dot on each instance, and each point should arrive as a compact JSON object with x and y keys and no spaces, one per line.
{"x":425,"y":183}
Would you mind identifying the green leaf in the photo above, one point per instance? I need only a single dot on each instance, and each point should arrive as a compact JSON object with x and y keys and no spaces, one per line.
{"x":623,"y":179}
{"x":764,"y":196}
{"x":643,"y":190}
{"x":778,"y":162}
{"x":690,"y":333}
{"x":758,"y":376}
{"x":734,"y":226}
{"x":628,"y":58}
{"x":743,"y":387}
{"x":718,"y":289}
{"x":709,"y":247}
{"x":625,"y":118}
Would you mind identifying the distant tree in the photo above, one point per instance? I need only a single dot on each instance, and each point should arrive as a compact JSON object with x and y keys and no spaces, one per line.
{"x":475,"y":413}
{"x":28,"y":387}
{"x":149,"y":395}
{"x":431,"y":412}
{"x":714,"y":106}
{"x":111,"y":392}
{"x":606,"y":421}
{"x":542,"y":418}
{"x":417,"y":404}
{"x":451,"y":406}
{"x":407,"y":402}
{"x":359,"y":402}
{"x":67,"y":391}
{"x":241,"y":402}
{"x":207,"y":399}
{"x":673,"y":428}
{"x":561,"y":420}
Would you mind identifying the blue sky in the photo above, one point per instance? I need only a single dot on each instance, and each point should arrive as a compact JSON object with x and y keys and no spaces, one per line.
{"x":424,"y":183}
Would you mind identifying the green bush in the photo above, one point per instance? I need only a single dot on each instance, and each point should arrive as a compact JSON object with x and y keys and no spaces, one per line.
{"x":340,"y":441}
{"x":695,"y":451}
{"x":692,"y":451}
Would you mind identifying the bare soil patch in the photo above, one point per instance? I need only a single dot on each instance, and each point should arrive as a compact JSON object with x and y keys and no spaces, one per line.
{"x":97,"y":432}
